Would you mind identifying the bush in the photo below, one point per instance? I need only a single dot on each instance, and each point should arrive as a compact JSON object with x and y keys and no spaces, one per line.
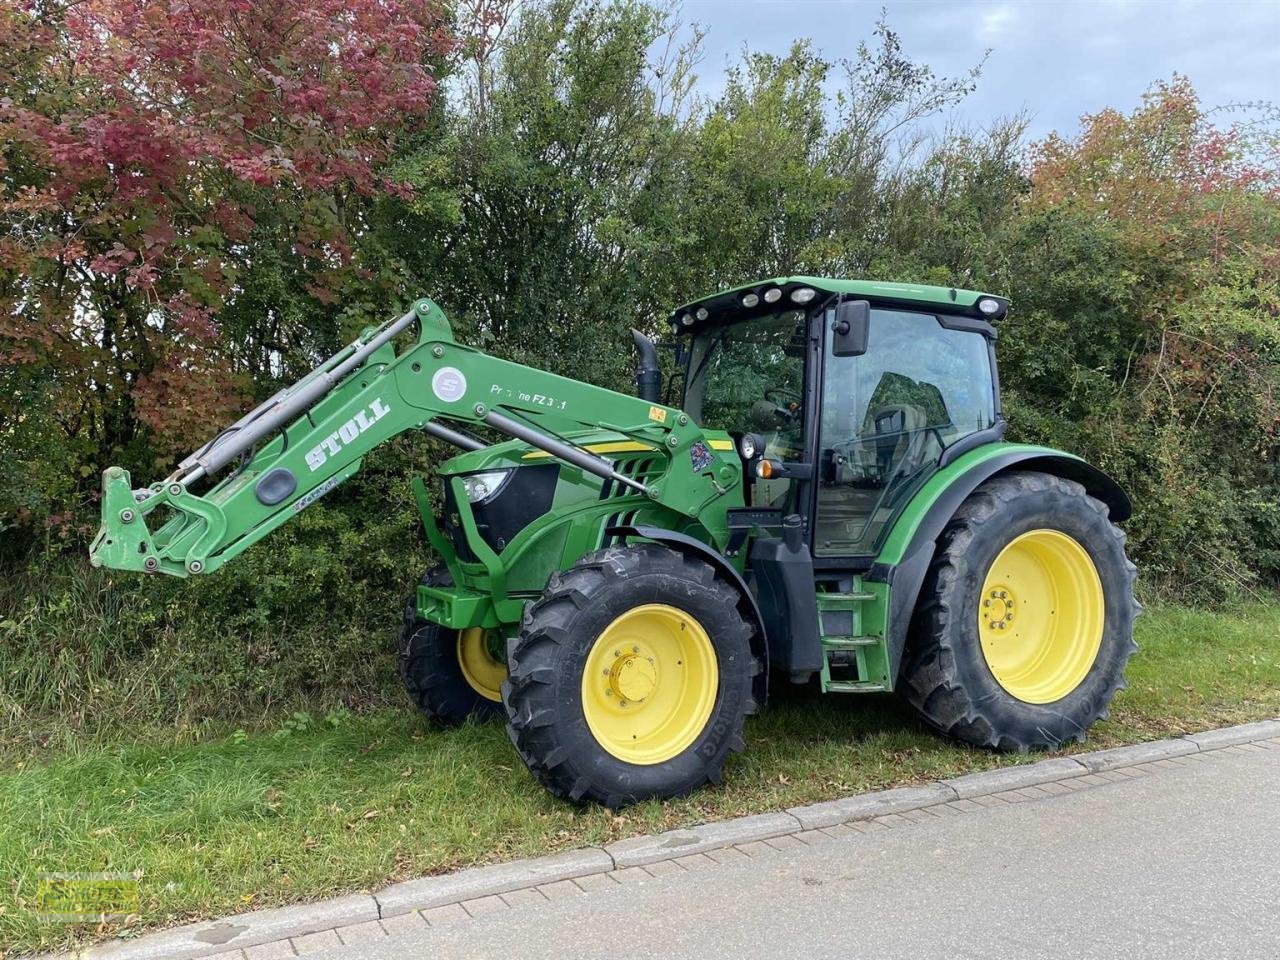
{"x":306,"y":618}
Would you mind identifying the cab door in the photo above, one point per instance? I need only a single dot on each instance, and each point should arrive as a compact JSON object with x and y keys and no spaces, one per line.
{"x":886,"y":416}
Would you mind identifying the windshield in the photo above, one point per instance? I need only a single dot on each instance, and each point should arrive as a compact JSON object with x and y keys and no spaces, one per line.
{"x":748,"y":377}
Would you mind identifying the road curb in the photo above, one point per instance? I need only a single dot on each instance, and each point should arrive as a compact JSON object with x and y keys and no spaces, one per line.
{"x":1103,"y":760}
{"x":240,"y":931}
{"x":1015,"y":778}
{"x":1231,"y":736}
{"x":641,"y":851}
{"x":427,"y":892}
{"x":868,"y":805}
{"x":407,"y":901}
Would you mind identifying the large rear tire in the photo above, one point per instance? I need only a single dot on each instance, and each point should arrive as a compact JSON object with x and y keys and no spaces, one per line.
{"x":1025,"y":620}
{"x":630,"y":677}
{"x":450,"y":675}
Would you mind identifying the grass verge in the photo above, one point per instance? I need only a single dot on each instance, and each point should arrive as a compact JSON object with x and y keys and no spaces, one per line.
{"x":347,"y":802}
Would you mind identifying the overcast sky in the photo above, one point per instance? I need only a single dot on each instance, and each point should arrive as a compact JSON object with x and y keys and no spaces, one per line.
{"x":1057,"y":58}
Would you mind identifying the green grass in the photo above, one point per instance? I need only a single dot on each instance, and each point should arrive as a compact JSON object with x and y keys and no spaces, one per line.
{"x":352,"y":802}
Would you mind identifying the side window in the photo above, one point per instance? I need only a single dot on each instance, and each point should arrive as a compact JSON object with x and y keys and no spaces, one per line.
{"x":886,"y":418}
{"x":749,"y":378}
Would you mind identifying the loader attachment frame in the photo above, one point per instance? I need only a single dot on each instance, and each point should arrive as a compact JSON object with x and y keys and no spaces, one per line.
{"x":308,"y":438}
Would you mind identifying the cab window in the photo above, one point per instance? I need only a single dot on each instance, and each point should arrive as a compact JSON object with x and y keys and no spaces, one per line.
{"x":748,"y":377}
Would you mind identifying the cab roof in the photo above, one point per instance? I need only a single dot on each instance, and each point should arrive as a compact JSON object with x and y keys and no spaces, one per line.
{"x":931,"y":298}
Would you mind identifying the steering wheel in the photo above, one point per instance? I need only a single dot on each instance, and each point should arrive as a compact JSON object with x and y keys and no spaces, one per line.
{"x":786,"y":400}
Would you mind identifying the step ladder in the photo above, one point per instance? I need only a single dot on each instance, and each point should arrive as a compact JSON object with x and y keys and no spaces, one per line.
{"x":855,"y":656}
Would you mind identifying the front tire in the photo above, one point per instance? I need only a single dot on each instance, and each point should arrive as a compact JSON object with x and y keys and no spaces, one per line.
{"x":1025,"y":622}
{"x":630,"y":677}
{"x":450,"y":675}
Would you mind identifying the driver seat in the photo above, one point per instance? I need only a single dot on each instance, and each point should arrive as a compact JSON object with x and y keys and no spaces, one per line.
{"x":900,"y":439}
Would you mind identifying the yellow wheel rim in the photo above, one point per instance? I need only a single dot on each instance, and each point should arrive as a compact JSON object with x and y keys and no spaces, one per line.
{"x":1040,"y":616}
{"x":649,"y":684}
{"x":482,"y":671}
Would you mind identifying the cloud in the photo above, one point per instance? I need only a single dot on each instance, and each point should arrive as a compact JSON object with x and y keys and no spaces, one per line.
{"x":1056,"y":59}
{"x":997,"y":24}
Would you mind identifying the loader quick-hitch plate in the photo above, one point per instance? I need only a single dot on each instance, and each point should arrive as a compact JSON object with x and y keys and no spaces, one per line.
{"x":124,"y":541}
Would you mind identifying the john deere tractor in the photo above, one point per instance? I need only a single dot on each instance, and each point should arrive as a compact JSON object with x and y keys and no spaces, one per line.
{"x":820,"y":494}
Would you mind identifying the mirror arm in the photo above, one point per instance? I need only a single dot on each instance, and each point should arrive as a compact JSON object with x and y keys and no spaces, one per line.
{"x":781,"y":469}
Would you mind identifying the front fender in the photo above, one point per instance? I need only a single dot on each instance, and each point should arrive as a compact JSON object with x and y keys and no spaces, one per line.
{"x":904,"y":560}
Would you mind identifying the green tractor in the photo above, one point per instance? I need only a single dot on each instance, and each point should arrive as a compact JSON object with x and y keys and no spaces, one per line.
{"x":820,"y":494}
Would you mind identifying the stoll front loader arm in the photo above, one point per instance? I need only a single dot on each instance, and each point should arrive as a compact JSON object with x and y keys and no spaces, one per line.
{"x":300,"y":444}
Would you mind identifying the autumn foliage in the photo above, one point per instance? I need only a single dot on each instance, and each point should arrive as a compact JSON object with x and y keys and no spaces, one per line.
{"x":140,"y":140}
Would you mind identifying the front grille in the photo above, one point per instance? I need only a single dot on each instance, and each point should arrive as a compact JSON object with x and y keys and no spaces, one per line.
{"x":643,"y":469}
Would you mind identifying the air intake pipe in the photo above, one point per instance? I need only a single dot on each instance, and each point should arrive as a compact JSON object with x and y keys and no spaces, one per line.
{"x":648,"y":374}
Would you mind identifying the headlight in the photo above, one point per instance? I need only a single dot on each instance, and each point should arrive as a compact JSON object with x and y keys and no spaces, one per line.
{"x":772,"y":295}
{"x":481,"y":486}
{"x":749,"y":300}
{"x":988,"y":306}
{"x":702,"y":313}
{"x":749,"y":445}
{"x":803,"y":295}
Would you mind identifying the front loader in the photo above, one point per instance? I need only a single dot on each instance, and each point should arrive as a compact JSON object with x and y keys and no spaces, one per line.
{"x":831,"y":502}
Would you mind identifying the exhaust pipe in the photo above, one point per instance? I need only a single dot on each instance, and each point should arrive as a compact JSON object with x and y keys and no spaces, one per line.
{"x":648,"y":374}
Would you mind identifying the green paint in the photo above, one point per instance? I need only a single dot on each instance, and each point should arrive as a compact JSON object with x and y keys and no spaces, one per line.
{"x":437,"y":378}
{"x":434,"y":378}
{"x":904,"y":526}
{"x":863,"y":614}
{"x":922,"y":294}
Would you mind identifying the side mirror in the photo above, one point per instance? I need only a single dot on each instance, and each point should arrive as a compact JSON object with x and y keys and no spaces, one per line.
{"x":851,"y":328}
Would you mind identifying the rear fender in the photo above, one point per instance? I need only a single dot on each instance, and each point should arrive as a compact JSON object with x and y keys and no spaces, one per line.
{"x":905,"y":559}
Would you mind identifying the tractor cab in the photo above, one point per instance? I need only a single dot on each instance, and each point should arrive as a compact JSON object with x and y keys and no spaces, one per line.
{"x":846,"y":396}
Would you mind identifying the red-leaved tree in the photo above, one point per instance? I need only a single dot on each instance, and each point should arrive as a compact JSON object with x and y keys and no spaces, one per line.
{"x":140,"y":140}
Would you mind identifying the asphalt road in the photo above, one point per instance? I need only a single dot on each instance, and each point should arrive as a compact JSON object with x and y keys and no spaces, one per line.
{"x":1182,"y":861}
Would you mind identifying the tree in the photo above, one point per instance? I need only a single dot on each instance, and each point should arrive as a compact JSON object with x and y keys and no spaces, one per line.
{"x":1146,"y":269}
{"x":547,"y":205}
{"x":140,"y":143}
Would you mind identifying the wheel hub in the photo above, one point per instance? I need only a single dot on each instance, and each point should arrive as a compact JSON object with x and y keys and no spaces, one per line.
{"x":997,"y":608}
{"x":1041,"y":616}
{"x":633,"y":676}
